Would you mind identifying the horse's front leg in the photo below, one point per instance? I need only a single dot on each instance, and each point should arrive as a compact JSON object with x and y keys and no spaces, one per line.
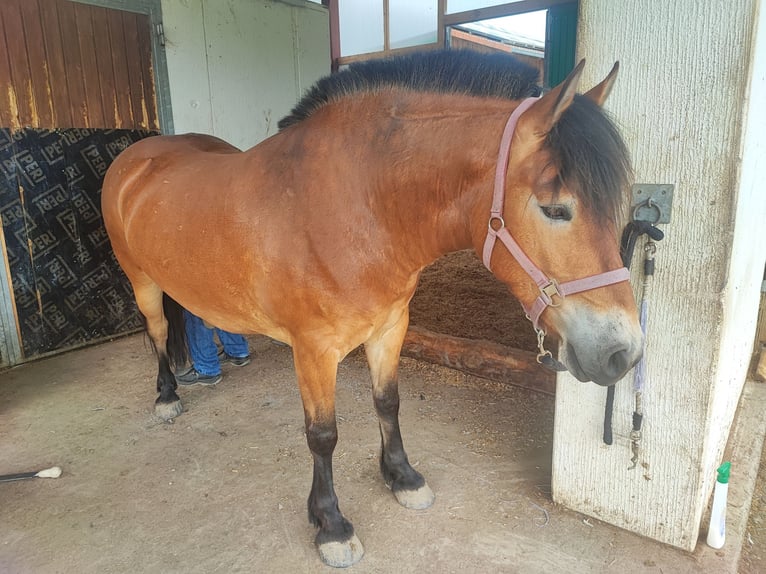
{"x":338,"y":545}
{"x":382,"y":350}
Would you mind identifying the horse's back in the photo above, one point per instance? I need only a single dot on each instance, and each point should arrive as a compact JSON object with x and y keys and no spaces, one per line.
{"x":177,"y":144}
{"x":152,"y":155}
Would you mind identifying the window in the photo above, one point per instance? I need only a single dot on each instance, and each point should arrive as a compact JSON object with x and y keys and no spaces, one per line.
{"x":539,"y":31}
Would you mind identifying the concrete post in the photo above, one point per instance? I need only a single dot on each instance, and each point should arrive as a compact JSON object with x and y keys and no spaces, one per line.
{"x":690,"y":100}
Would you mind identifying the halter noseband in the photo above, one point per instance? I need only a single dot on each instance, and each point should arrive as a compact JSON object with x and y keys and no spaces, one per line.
{"x":549,"y":288}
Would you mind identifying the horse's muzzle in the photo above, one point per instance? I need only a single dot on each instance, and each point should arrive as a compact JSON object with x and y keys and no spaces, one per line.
{"x":604,"y":368}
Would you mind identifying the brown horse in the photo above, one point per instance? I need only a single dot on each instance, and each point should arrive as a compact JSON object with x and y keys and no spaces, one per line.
{"x":317,"y":236}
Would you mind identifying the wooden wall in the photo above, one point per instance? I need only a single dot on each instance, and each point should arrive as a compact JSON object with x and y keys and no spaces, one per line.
{"x":460,"y":40}
{"x":76,"y":88}
{"x":72,"y":65}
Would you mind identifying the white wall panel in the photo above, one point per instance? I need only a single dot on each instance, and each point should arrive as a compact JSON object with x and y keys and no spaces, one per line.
{"x":237,"y":66}
{"x":187,"y":65}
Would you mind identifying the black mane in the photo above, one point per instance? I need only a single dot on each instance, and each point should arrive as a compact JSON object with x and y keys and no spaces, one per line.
{"x":586,"y":146}
{"x":443,"y":71}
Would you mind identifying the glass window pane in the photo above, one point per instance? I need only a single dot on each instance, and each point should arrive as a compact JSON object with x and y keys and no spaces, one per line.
{"x":454,"y":6}
{"x":361,"y":26}
{"x":520,"y":30}
{"x":522,"y":35}
{"x":412,"y":22}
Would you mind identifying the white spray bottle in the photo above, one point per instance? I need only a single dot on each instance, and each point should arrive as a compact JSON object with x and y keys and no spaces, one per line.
{"x":716,"y":534}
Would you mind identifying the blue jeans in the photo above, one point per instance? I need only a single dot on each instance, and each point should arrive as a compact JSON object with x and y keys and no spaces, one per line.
{"x":204,"y":353}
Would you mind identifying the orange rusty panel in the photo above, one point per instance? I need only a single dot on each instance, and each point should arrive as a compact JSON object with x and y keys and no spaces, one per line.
{"x":135,"y":79}
{"x":7,"y":93}
{"x":120,"y":66}
{"x":73,"y":65}
{"x":57,"y":73}
{"x":30,"y":13}
{"x":69,"y":65}
{"x":21,"y":80}
{"x":86,"y":39}
{"x":147,"y":72}
{"x":104,"y":67}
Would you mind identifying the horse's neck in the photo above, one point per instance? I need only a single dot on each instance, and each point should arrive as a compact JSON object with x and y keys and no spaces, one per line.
{"x":441,"y":152}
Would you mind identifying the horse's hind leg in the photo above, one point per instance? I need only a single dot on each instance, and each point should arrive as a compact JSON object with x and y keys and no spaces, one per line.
{"x":149,"y":300}
{"x":338,"y":545}
{"x":382,"y":350}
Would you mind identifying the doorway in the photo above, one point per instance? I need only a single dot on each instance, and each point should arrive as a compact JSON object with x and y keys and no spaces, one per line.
{"x":77,"y":86}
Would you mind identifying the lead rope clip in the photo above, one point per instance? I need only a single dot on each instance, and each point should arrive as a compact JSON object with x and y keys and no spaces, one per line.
{"x":544,"y":356}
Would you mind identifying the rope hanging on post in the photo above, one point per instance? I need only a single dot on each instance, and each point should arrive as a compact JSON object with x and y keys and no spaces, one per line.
{"x":630,"y":235}
{"x":639,"y":374}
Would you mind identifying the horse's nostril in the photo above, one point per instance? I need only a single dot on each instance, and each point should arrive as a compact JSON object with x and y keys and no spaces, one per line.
{"x":618,"y":363}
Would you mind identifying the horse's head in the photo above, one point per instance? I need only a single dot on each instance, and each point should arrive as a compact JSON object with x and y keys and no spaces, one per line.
{"x":567,"y":175}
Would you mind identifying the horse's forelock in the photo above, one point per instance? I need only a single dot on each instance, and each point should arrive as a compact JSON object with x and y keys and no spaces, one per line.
{"x":592,"y":157}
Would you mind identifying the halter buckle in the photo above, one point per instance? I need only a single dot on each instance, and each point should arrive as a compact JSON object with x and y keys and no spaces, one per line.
{"x":550,"y":290}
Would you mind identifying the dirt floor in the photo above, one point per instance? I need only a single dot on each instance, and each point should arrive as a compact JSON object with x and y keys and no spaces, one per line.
{"x":753,"y":560}
{"x":223,"y":488}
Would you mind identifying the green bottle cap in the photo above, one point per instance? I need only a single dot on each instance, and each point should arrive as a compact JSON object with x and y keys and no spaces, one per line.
{"x":723,"y":472}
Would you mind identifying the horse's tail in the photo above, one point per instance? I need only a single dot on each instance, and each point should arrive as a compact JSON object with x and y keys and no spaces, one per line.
{"x":178,"y":350}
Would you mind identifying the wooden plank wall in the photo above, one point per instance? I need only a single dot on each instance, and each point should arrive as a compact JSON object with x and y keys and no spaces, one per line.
{"x":460,"y":40}
{"x":70,"y":65}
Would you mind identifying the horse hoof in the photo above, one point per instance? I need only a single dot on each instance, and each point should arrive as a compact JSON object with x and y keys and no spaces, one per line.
{"x":168,"y":411}
{"x":418,"y":499}
{"x":341,"y":554}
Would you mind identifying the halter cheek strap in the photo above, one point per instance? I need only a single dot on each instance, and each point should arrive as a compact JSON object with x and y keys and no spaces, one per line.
{"x":496,"y":229}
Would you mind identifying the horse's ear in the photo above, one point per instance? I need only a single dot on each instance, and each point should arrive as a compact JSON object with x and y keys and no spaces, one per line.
{"x":544,"y":114}
{"x":598,"y":94}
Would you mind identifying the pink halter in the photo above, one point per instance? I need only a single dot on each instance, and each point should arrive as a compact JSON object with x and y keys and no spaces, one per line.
{"x":549,"y":288}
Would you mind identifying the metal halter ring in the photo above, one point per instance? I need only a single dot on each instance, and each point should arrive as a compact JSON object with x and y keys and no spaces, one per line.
{"x":495,"y":218}
{"x":651,"y":204}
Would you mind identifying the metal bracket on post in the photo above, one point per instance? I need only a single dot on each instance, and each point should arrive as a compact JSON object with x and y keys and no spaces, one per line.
{"x":651,"y":202}
{"x":160,"y":33}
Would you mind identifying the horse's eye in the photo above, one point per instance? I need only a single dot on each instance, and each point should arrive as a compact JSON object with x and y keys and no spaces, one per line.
{"x":559,"y":212}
